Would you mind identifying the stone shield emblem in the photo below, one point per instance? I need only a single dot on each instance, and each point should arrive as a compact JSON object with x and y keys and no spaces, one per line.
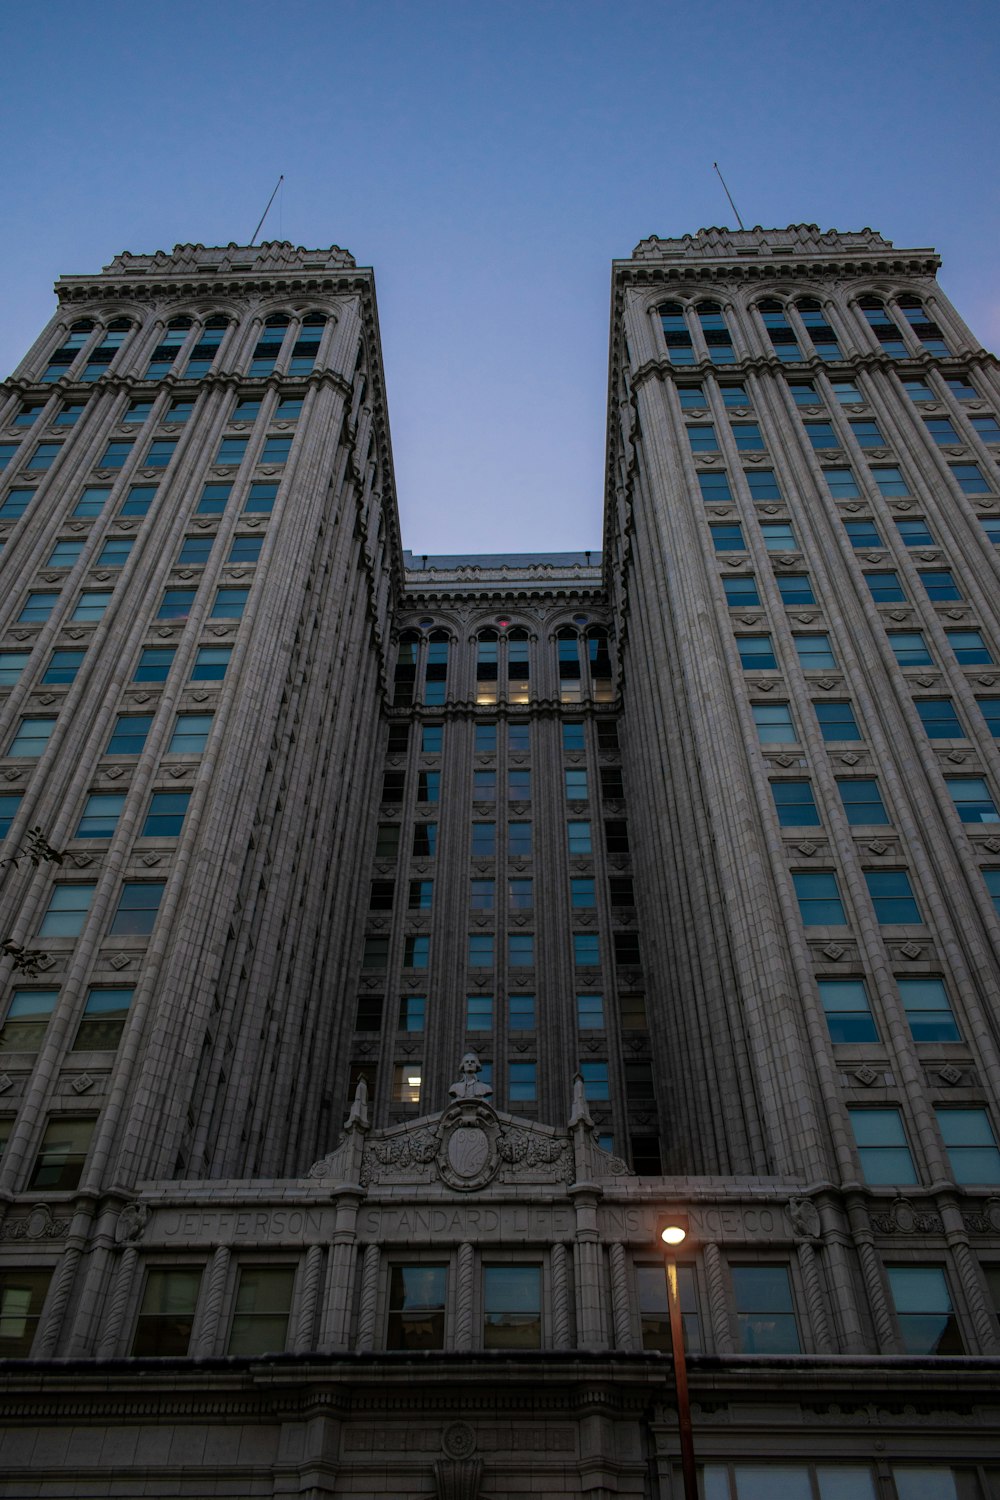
{"x":467,"y":1158}
{"x":468,"y":1151}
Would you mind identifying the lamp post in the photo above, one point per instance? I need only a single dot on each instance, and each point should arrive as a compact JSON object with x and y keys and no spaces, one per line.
{"x":674,"y":1233}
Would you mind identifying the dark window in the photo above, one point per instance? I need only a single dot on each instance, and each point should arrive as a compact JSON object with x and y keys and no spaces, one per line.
{"x":765,"y":1313}
{"x":416,"y":1307}
{"x":166,"y":1315}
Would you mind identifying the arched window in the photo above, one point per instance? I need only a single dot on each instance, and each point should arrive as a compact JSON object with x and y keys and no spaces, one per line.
{"x":306,"y":346}
{"x":599,"y":658}
{"x":782,"y":333}
{"x":64,"y":356}
{"x":676,"y":334}
{"x":436,"y":671}
{"x":716,"y":333}
{"x":518,"y":665}
{"x":162,"y":358}
{"x":568,"y":652}
{"x":406,"y":669}
{"x":100,"y":358}
{"x":883,"y":326}
{"x":269,"y":344}
{"x":487,"y":666}
{"x":204,"y":352}
{"x":927,"y":332}
{"x":824,"y":340}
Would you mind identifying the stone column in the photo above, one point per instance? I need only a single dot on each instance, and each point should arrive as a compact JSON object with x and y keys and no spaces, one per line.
{"x":309,"y":1297}
{"x":369,"y":1299}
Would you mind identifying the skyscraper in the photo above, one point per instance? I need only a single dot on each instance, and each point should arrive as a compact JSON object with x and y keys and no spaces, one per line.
{"x":583,"y":887}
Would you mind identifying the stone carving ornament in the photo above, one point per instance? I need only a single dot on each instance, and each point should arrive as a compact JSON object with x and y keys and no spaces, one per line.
{"x":131,"y":1224}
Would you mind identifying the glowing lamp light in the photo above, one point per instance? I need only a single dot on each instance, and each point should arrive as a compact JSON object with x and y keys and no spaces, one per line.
{"x":673,"y":1234}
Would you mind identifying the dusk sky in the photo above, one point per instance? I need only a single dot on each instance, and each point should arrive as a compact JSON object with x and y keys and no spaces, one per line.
{"x":490,"y":161}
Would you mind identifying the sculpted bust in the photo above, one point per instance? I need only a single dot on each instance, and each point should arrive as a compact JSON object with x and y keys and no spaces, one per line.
{"x":468,"y":1086}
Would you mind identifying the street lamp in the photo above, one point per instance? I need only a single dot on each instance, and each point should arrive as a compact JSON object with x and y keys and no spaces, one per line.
{"x":673,"y":1233}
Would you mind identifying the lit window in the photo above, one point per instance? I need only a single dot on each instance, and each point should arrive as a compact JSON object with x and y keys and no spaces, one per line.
{"x":774,"y":723}
{"x":819,"y":898}
{"x":103,"y":1021}
{"x":129,"y":734}
{"x":137,"y":907}
{"x":190,"y":734}
{"x":154,"y":664}
{"x":261,"y":1311}
{"x":165,"y":817}
{"x":910,"y":648}
{"x":848,"y":1011}
{"x":590,"y":1012}
{"x":22,"y":1296}
{"x":32,"y":737}
{"x":416,"y":1307}
{"x":756,"y":653}
{"x":27,"y":1019}
{"x":795,"y":805}
{"x":928,"y":1010}
{"x":892,"y":897}
{"x":166,"y":1314}
{"x":211,"y":663}
{"x":765,"y":1313}
{"x":100,"y":815}
{"x":882,"y":1147}
{"x":927,"y":1323}
{"x":815,"y":652}
{"x":59,"y":1164}
{"x":861,"y":799}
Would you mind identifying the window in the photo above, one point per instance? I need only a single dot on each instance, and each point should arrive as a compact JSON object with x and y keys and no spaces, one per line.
{"x":431,"y":739}
{"x":803,"y":393}
{"x":231,"y":450}
{"x":100,"y":815}
{"x":607,"y":735}
{"x":260,"y":499}
{"x":229,"y":604}
{"x":919,"y":390}
{"x":210,"y":663}
{"x":260,"y":1314}
{"x":842,"y":484}
{"x":381,"y":895}
{"x":104,"y":1017}
{"x":778,"y":536}
{"x":424,"y":840}
{"x":521,"y":1013}
{"x":195,"y":551}
{"x":795,"y":588}
{"x":595,"y":1080}
{"x":289,"y":408}
{"x":12,"y":664}
{"x":37,"y":608}
{"x":69,"y":414}
{"x":154,"y":664}
{"x":819,"y":898}
{"x":375,"y":954}
{"x":522,"y":1083}
{"x":861,"y":799}
{"x":421,"y":895}
{"x":115,"y":455}
{"x":165,"y":817}
{"x":970,"y":1143}
{"x":484,"y":840}
{"x":845,"y":391}
{"x":890,"y":481}
{"x":675,"y":333}
{"x":485,"y":739}
{"x":416,"y":951}
{"x":416,"y":1307}
{"x":815,"y":653}
{"x":882,"y":1147}
{"x":26,"y":1020}
{"x":940,"y":584}
{"x":43,"y":457}
{"x":276,"y":450}
{"x":29,"y":414}
{"x":519,"y":893}
{"x":64,"y":554}
{"x":848,"y":1011}
{"x":795,"y":805}
{"x":179,"y":412}
{"x":59,"y":1164}
{"x":138,"y":905}
{"x":782,"y":335}
{"x":590,"y":1012}
{"x":190,"y":734}
{"x":823,"y":337}
{"x":821,"y":435}
{"x":9,"y":804}
{"x":15,"y":504}
{"x":969,"y":478}
{"x":176,"y":604}
{"x":756,"y":653}
{"x":22,"y":1295}
{"x":992,"y":879}
{"x":702,"y":438}
{"x":927,"y":1321}
{"x":138,"y":500}
{"x":941,"y":430}
{"x":579,"y":839}
{"x":518,"y":737}
{"x":714,"y":485}
{"x":412,"y":1013}
{"x":928,"y":1010}
{"x":762,"y":484}
{"x":969,"y":647}
{"x":428,"y":786}
{"x":986,"y":428}
{"x":765,"y":1313}
{"x":972,"y":799}
{"x":512,"y":1306}
{"x":129,"y":734}
{"x":586,"y":950}
{"x":484,"y":786}
{"x":575,"y":784}
{"x":747,"y":436}
{"x":892,"y":897}
{"x":91,"y":605}
{"x":612,"y":786}
{"x":990,"y":710}
{"x":915,"y":534}
{"x":160,"y":453}
{"x":867,"y":434}
{"x":245,"y":549}
{"x":582,"y":892}
{"x":479,"y":1013}
{"x":480,"y":950}
{"x":214,"y":499}
{"x":862,"y":534}
{"x":734,"y":393}
{"x":616,"y":836}
{"x":63,"y":666}
{"x":910,"y":648}
{"x":115,"y":552}
{"x":654,"y":1309}
{"x":247,"y":409}
{"x":774,"y":723}
{"x":692,"y":397}
{"x":31,"y":738}
{"x":306,"y":345}
{"x":626,"y":946}
{"x":885,"y":588}
{"x":205,"y":350}
{"x":519,"y":785}
{"x":727,"y":537}
{"x":520,"y":950}
{"x":166,"y":1314}
{"x":741,"y":592}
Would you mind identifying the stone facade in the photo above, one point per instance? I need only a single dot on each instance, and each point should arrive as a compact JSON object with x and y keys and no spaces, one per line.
{"x":394,"y":940}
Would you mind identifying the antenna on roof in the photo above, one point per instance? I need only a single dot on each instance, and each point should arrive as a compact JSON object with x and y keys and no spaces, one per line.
{"x":271,"y":200}
{"x":729,"y":195}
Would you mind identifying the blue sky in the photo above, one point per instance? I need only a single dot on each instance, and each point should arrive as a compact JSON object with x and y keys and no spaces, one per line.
{"x":489,"y":161}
